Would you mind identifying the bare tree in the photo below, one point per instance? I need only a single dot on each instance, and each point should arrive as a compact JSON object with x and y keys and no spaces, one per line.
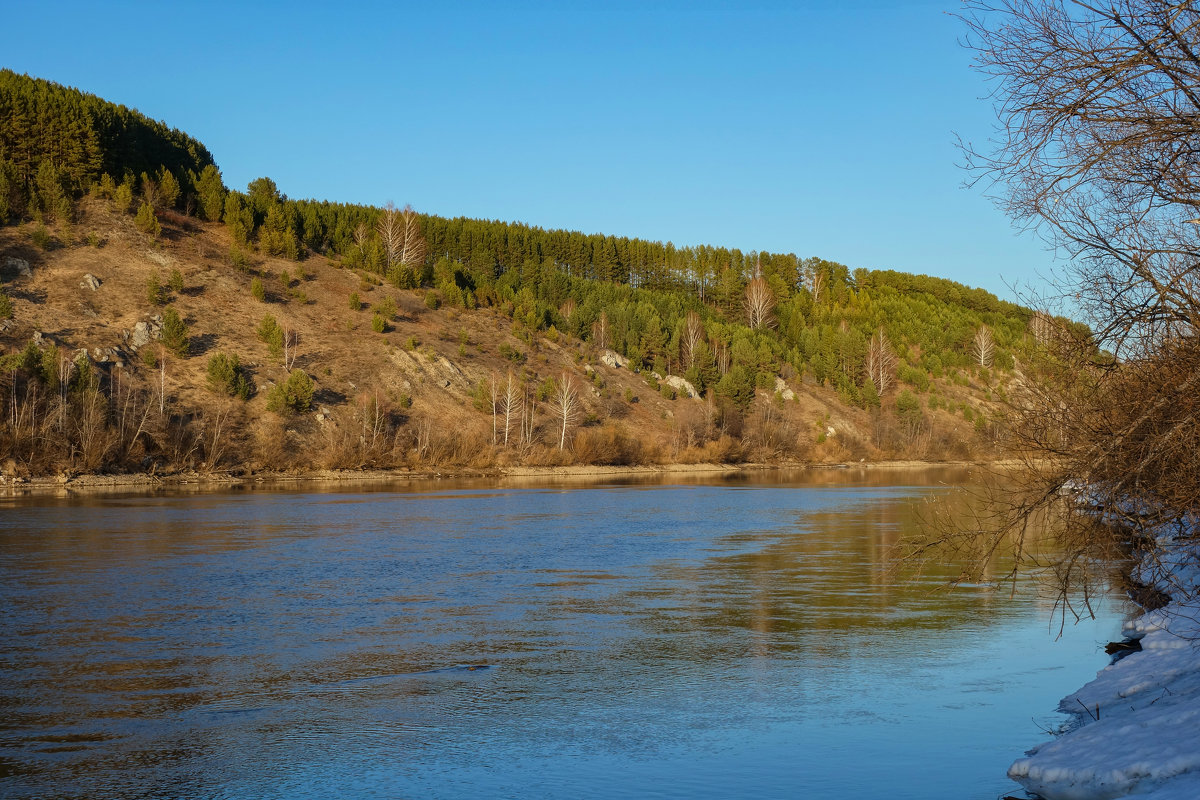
{"x":510,"y":401}
{"x":759,"y":303}
{"x":983,"y":347}
{"x":1099,"y":106}
{"x":412,"y":253}
{"x":567,"y":310}
{"x":400,"y":231}
{"x":600,"y":331}
{"x":566,"y":404}
{"x":291,"y":347}
{"x":391,"y":233}
{"x":693,"y":333}
{"x":1098,"y":149}
{"x":360,"y":237}
{"x":721,"y":352}
{"x":881,"y":362}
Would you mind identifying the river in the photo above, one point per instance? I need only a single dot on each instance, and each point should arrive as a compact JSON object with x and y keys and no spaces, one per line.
{"x":655,"y":638}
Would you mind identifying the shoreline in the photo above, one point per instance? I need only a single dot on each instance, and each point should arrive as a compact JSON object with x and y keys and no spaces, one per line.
{"x":1133,"y":730}
{"x":99,"y":483}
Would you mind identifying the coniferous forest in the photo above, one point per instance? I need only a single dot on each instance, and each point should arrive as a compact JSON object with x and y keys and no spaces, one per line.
{"x":902,"y":354}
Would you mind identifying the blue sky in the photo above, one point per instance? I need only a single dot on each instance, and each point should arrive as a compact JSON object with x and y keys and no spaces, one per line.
{"x":821,"y":128}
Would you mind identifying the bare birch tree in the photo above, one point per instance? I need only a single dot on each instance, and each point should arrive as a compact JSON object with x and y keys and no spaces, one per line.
{"x":566,"y":404}
{"x":881,"y":362}
{"x":391,"y":234}
{"x":600,"y":331}
{"x":983,"y":347}
{"x":567,"y":310}
{"x":400,"y":231}
{"x":510,"y":401}
{"x":759,"y":302}
{"x":291,"y":347}
{"x":412,"y":253}
{"x":693,"y":333}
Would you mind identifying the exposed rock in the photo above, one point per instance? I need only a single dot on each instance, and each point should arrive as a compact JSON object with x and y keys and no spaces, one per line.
{"x":681,"y":386}
{"x":782,"y":388}
{"x":18,"y":264}
{"x":90,"y":281}
{"x":145,"y":332}
{"x":5,"y":324}
{"x":160,"y":258}
{"x":38,"y":339}
{"x":614,"y":359}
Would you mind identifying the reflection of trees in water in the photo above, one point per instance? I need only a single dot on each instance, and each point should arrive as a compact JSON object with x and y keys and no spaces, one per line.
{"x":828,"y":581}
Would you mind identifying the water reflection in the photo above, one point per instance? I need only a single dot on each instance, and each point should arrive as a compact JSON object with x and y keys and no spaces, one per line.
{"x":674,"y":639}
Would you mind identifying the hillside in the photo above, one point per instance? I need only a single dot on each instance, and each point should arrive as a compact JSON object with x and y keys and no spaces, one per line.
{"x":410,"y":340}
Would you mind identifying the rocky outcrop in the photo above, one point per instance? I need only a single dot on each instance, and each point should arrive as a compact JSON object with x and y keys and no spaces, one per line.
{"x":681,"y":386}
{"x":90,"y":281}
{"x":144,"y":332}
{"x":614,"y":359}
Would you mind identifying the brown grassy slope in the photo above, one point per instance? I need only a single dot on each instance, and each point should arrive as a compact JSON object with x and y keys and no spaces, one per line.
{"x":351,"y":364}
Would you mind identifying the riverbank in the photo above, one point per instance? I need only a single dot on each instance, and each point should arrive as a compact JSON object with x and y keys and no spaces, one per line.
{"x":1135,"y":729}
{"x":100,"y":483}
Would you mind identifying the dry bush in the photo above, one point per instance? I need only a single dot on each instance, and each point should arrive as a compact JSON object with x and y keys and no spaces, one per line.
{"x":607,"y":445}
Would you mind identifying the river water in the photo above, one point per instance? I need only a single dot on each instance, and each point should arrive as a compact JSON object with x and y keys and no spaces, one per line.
{"x":472,"y":640}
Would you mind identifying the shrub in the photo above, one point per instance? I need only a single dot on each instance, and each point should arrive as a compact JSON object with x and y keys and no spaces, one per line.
{"x":385,"y":308}
{"x":257,"y":290}
{"x":355,"y":303}
{"x":6,"y":306}
{"x":175,"y":333}
{"x":226,"y":376}
{"x":511,"y":353}
{"x":293,"y":395}
{"x":176,"y":281}
{"x":379,"y":324}
{"x":914,"y":377}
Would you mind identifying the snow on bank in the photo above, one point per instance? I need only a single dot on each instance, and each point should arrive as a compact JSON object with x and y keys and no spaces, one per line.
{"x":1137,"y":725}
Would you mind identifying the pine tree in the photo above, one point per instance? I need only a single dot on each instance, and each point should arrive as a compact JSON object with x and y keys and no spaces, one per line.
{"x":146,"y":221}
{"x":168,"y":189}
{"x":212,"y":193}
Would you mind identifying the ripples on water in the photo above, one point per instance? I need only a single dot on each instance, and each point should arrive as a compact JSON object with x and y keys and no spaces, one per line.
{"x":655,"y":641}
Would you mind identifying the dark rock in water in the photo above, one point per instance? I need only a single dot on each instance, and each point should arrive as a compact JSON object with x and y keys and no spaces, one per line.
{"x":1119,"y":650}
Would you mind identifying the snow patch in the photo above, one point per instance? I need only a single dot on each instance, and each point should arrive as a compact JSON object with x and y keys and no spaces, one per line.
{"x":1138,"y":729}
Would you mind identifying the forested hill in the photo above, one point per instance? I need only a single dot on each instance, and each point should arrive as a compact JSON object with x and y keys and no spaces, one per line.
{"x":736,"y":325}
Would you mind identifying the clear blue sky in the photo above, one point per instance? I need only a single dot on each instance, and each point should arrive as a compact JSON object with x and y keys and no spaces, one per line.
{"x":821,"y":127}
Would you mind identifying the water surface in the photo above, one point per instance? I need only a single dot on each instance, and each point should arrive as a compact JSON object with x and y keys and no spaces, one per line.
{"x":649,"y":639}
